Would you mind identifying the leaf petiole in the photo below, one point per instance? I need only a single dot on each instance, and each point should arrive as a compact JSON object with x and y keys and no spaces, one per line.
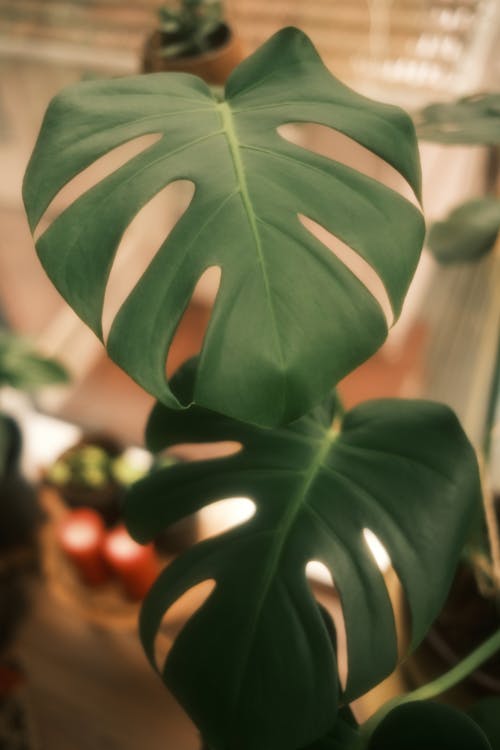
{"x":434,"y":688}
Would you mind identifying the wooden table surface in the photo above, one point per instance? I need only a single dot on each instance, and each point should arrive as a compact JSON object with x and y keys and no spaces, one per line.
{"x":89,"y":688}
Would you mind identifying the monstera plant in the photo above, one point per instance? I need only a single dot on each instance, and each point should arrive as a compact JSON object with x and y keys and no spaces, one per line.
{"x":255,"y":666}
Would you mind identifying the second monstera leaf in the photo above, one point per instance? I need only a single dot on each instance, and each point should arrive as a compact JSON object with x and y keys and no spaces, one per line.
{"x":255,"y":666}
{"x":468,"y":233}
{"x":471,"y":119}
{"x":290,"y":318}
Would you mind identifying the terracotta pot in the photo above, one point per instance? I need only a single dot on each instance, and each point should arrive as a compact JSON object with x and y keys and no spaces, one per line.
{"x":213,"y":66}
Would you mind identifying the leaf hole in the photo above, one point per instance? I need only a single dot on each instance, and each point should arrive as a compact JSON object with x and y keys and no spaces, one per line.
{"x":223,"y":515}
{"x":323,"y":587}
{"x":377,"y":550}
{"x":192,"y":327}
{"x":332,"y":144}
{"x":177,"y":615}
{"x":395,"y":590}
{"x":92,"y":175}
{"x":140,"y":242}
{"x":205,"y":451}
{"x":318,"y":572}
{"x":358,"y":266}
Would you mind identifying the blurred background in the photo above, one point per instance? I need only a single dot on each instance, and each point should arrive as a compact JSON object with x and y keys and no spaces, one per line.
{"x":72,"y":674}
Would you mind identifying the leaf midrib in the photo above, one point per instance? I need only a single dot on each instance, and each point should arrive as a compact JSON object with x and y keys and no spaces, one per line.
{"x":281,"y":535}
{"x":239,"y":168}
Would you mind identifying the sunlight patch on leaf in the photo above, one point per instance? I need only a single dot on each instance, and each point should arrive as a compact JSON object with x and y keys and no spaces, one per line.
{"x":377,"y":549}
{"x":318,"y":571}
{"x":223,"y":515}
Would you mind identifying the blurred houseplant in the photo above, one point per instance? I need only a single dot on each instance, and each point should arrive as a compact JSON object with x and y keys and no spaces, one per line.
{"x":21,"y":368}
{"x":469,"y":235}
{"x":193,"y":37}
{"x":94,"y":473}
{"x":255,"y":666}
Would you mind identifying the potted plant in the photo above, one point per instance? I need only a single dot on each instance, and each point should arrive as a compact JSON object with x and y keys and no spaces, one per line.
{"x":255,"y":666}
{"x":193,"y":37}
{"x":94,"y":473}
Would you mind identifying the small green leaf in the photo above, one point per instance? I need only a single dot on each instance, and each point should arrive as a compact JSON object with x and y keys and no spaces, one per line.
{"x":486,"y":713}
{"x":428,"y":726}
{"x":472,"y":119}
{"x":255,"y":666}
{"x":290,"y":318}
{"x":21,"y":367}
{"x":468,"y":233}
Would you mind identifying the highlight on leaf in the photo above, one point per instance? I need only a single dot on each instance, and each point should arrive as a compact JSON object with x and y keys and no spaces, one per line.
{"x":291,"y":318}
{"x":402,"y":469}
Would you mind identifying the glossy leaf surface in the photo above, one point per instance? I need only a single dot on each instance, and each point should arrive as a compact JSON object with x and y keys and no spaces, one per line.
{"x":290,"y":318}
{"x":432,"y":726}
{"x":254,"y":667}
{"x":472,"y":119}
{"x":468,"y":233}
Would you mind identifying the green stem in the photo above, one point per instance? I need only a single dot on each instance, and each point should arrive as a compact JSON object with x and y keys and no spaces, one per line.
{"x":448,"y":680}
{"x":339,"y":407}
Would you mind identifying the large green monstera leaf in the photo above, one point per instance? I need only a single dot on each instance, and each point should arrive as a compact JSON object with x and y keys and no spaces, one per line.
{"x":255,"y":666}
{"x":290,"y":318}
{"x":469,"y":120}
